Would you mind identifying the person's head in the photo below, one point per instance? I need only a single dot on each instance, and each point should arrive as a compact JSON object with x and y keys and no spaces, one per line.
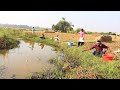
{"x":98,"y":42}
{"x":82,"y":30}
{"x":33,"y":27}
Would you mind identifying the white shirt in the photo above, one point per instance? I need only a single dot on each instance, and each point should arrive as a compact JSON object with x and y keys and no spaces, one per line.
{"x":57,"y":38}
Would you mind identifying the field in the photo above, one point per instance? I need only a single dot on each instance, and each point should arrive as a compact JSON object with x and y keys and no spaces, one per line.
{"x":75,"y":64}
{"x":81,"y":65}
{"x":89,"y":38}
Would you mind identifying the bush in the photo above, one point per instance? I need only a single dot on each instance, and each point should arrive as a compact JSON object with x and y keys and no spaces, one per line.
{"x":49,"y":31}
{"x":106,"y":39}
{"x":88,"y":32}
{"x":8,"y":43}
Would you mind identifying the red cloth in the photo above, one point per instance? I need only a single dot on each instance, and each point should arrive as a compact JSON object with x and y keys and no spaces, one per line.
{"x":99,"y":47}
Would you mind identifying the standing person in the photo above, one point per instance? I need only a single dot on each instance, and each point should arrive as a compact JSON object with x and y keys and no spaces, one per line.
{"x":33,"y":29}
{"x":99,"y":48}
{"x":81,"y":39}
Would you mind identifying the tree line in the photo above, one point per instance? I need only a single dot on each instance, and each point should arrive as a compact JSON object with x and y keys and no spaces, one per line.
{"x":20,"y":26}
{"x":65,"y":26}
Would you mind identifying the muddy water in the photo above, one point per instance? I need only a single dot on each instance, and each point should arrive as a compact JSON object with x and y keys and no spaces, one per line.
{"x":28,"y":58}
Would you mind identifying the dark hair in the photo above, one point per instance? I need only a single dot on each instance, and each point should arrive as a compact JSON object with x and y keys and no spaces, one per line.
{"x":33,"y":27}
{"x":98,"y":41}
{"x":82,"y":30}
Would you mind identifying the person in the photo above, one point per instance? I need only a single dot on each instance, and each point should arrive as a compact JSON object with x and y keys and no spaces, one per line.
{"x":100,"y":48}
{"x":42,"y":36}
{"x":81,"y":39}
{"x":33,"y":29}
{"x":56,"y":38}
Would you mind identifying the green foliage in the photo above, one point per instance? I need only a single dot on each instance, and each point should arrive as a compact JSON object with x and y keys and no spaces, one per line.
{"x":63,"y":26}
{"x":48,"y":74}
{"x":77,"y":30}
{"x":108,"y":33}
{"x":75,"y":64}
{"x":82,"y":65}
{"x":7,"y":42}
{"x":88,"y":32}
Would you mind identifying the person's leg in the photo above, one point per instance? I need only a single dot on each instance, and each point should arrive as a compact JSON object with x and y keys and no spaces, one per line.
{"x":102,"y":52}
{"x":94,"y":52}
{"x":78,"y":44}
{"x":82,"y":43}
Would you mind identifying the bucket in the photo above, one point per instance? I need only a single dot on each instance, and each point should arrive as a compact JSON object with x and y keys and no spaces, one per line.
{"x":108,"y":57}
{"x":70,"y":43}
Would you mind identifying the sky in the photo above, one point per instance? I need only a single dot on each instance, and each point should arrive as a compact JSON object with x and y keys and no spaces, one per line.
{"x":95,"y":21}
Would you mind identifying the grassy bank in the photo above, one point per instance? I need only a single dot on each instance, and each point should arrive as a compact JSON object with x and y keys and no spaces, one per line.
{"x":8,"y":39}
{"x":74,"y":65}
{"x":36,"y":38}
{"x":78,"y":65}
{"x":8,"y":43}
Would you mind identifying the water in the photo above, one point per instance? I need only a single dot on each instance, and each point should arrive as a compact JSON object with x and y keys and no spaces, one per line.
{"x":28,"y":58}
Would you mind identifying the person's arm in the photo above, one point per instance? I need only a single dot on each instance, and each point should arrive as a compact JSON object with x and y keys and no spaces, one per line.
{"x":107,"y":48}
{"x":86,"y":50}
{"x":58,"y":38}
{"x":77,"y":33}
{"x":89,"y":48}
{"x":83,"y":36}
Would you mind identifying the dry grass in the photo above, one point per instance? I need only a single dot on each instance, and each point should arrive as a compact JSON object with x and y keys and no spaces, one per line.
{"x":82,"y":65}
{"x":66,"y":37}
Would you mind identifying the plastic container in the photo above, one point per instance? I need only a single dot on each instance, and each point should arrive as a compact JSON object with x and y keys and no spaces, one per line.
{"x":108,"y":57}
{"x":70,"y":43}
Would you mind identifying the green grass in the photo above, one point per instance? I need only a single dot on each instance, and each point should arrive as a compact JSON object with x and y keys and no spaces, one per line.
{"x":8,"y":38}
{"x":75,"y":64}
{"x":35,"y":38}
{"x":13,"y":34}
{"x":8,"y":43}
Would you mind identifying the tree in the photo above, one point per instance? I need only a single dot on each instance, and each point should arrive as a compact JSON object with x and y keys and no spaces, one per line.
{"x":63,"y":18}
{"x":53,"y":27}
{"x":109,"y":33}
{"x":77,"y":30}
{"x":63,"y":26}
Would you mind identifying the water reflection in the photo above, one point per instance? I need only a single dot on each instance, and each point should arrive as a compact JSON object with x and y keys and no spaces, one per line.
{"x":31,"y":43}
{"x":4,"y":52}
{"x":42,"y":45}
{"x":28,"y":57}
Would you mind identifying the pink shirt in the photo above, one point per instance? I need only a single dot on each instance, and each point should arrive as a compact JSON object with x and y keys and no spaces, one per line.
{"x":81,"y":34}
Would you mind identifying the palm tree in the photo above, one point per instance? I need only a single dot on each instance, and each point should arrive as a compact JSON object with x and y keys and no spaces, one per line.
{"x":63,"y":19}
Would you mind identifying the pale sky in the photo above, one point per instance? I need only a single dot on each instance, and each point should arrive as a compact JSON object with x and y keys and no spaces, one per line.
{"x":98,"y":21}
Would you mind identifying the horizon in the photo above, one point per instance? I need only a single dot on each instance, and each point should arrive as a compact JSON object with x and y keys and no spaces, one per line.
{"x":94,"y":21}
